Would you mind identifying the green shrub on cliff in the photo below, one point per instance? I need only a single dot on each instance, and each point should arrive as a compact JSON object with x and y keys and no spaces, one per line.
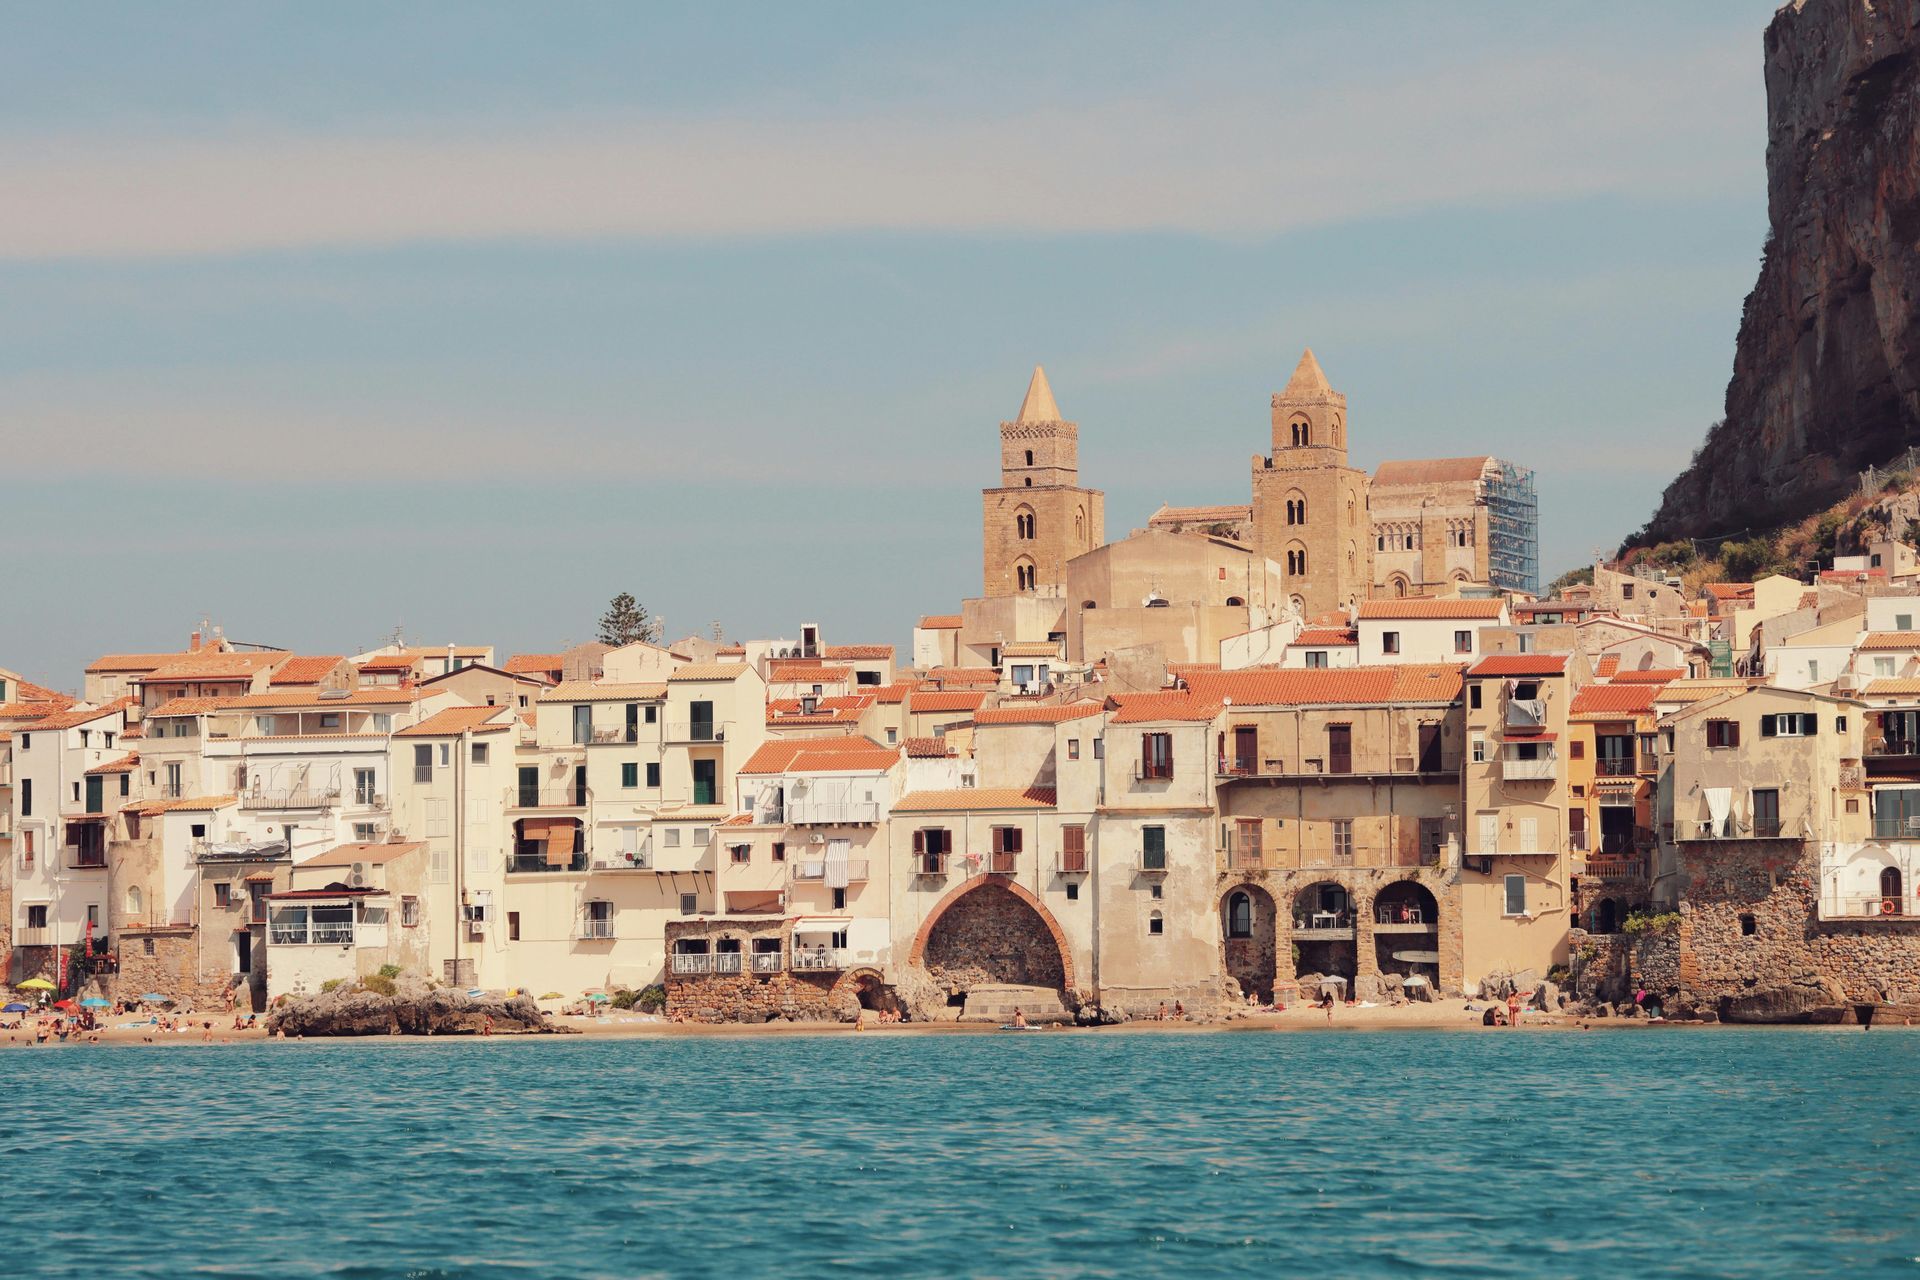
{"x":378,"y":983}
{"x":651,"y":999}
{"x":1640,"y":922}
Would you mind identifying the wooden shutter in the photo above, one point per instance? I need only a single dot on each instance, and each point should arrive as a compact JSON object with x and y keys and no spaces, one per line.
{"x":1146,"y":756}
{"x":999,"y":839}
{"x":920,"y":841}
{"x":1014,"y":840}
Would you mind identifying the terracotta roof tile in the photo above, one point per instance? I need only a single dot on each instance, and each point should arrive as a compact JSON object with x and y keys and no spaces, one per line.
{"x":975,"y":798}
{"x":1051,"y":713}
{"x":534,"y":664}
{"x":806,"y":671}
{"x":213,"y":666}
{"x":1413,"y":682}
{"x":1892,"y":686}
{"x":837,"y":710}
{"x":1431,"y":470}
{"x":1650,"y":675}
{"x":1327,"y":636}
{"x":124,"y":764}
{"x":1199,"y":515}
{"x":110,"y":663}
{"x":1614,"y":699}
{"x":1520,"y":664}
{"x":391,"y":662}
{"x":1730,"y":590}
{"x":189,"y":804}
{"x":822,"y":755}
{"x":857,"y":652}
{"x":455,"y":721}
{"x":377,"y":696}
{"x":940,"y":622}
{"x":1889,"y":640}
{"x":929,"y":700}
{"x":950,"y":677}
{"x":1420,"y":607}
{"x":71,"y":719}
{"x":187,"y":707}
{"x":590,"y":691}
{"x":927,"y":748}
{"x":1152,"y":708}
{"x":708,"y":671}
{"x":305,"y":670}
{"x":1609,"y":664}
{"x":893,"y":694}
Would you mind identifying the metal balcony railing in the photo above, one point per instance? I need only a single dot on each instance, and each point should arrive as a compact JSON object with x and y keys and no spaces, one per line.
{"x":697,"y":731}
{"x":816,"y":869}
{"x":1615,"y":766}
{"x":690,"y":963}
{"x":1604,"y":867}
{"x":596,"y":930}
{"x":1074,"y":863}
{"x":572,"y":795}
{"x":818,"y":959}
{"x":302,"y":798}
{"x":768,"y":961}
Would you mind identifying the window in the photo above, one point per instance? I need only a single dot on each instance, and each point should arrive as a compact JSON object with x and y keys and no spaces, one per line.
{"x":1073,"y":748}
{"x":689,"y":903}
{"x":1479,"y":750}
{"x":583,"y":723}
{"x":1766,"y":812}
{"x":1516,"y":887}
{"x":701,"y":835}
{"x":1463,"y":642}
{"x":931,"y":845}
{"x":125,"y":779}
{"x":1839,"y":724}
{"x":1903,"y":622}
{"x":1342,"y":841}
{"x":1240,"y":916}
{"x":1723,"y":733}
{"x":1156,"y":924}
{"x":423,"y":762}
{"x":1813,"y":670}
{"x":1789,"y":724}
{"x":1473,"y":696}
{"x":1153,"y":848}
{"x":479,"y":753}
{"x":1316,"y":659}
{"x":446,"y":753}
{"x":513,"y":926}
{"x":1883,"y":666}
{"x":839,"y":899}
{"x":222,"y":894}
{"x":630,"y":775}
{"x":1389,"y":642}
{"x":779,"y":851}
{"x":741,"y":853}
{"x":1626,"y":591}
{"x":365,"y":833}
{"x":1073,"y":891}
{"x":1577,"y":749}
{"x":653,"y":775}
{"x":1099,"y":748}
{"x":409,"y":912}
{"x":37,"y":916}
{"x":1156,"y":755}
{"x":1748,"y":926}
{"x":670,"y":837}
{"x":893,"y":737}
{"x":1156,"y":891}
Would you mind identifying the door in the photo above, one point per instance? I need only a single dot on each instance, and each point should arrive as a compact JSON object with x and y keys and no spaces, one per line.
{"x":1489,"y":834}
{"x":1246,"y":748}
{"x":579,"y":784}
{"x":1577,"y":830}
{"x":529,"y":786}
{"x":703,"y":788}
{"x":1339,"y":748}
{"x":633,"y":722}
{"x":700,"y":716}
{"x":95,"y":795}
{"x":1429,"y":748}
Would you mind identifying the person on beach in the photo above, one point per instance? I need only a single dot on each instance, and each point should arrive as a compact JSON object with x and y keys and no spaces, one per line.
{"x":1513,"y":1009}
{"x":1161,"y":1016}
{"x":1019,"y":1018}
{"x":1326,"y":1002}
{"x":206,"y":1030}
{"x":486,"y":1024}
{"x":1179,"y":1012}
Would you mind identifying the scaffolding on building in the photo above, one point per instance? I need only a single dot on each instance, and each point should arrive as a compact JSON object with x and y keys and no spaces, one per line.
{"x":1513,"y":528}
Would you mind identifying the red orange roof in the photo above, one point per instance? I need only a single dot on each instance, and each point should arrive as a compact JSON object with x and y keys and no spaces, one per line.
{"x":940,"y":622}
{"x":927,"y":748}
{"x":455,"y":721}
{"x":973,"y":798}
{"x":1328,"y":636}
{"x":948,"y":677}
{"x":213,"y":666}
{"x":1650,"y":675}
{"x":1155,"y":708}
{"x":822,"y":755}
{"x":1890,"y":640}
{"x":857,"y":652}
{"x":71,"y":719}
{"x":1520,"y":664}
{"x":931,"y":700}
{"x":535,"y":664}
{"x":1412,"y":682}
{"x":1054,"y":713}
{"x":1609,"y":664}
{"x":124,"y":764}
{"x":1614,"y":699}
{"x":305,"y":670}
{"x":1425,"y":607}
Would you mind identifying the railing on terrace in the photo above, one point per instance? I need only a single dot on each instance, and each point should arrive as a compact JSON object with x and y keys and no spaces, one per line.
{"x":1405,"y":914}
{"x":1615,"y":868}
{"x":826,"y":812}
{"x":640,"y":859}
{"x":1616,"y":766}
{"x":317,"y":933}
{"x":1000,"y":864}
{"x":1737,"y":829}
{"x":1306,"y":922}
{"x":534,"y":859}
{"x":816,"y":869}
{"x":697,"y":731}
{"x":596,"y":930}
{"x":729,"y":962}
{"x":690,"y":963}
{"x":1071,"y":863}
{"x":1540,"y":769}
{"x":768,"y":961}
{"x":818,"y":959}
{"x":303,"y":798}
{"x":1896,"y":827}
{"x":570,"y":796}
{"x":1316,"y":767}
{"x":1861,"y":906}
{"x":618,"y":734}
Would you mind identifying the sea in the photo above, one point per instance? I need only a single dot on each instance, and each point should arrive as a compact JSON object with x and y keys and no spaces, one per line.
{"x":1336,"y":1153}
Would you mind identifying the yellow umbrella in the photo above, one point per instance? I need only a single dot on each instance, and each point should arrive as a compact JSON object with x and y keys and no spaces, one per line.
{"x":34,"y":984}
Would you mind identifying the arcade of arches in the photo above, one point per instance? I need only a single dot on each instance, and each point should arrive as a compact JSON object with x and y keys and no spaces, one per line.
{"x":1277,"y":926}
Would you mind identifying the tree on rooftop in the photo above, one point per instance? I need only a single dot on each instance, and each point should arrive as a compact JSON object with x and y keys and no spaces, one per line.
{"x":627,"y":620}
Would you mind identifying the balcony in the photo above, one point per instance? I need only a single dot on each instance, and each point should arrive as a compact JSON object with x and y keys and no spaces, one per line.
{"x":1072,"y":863}
{"x":1000,"y":864}
{"x":1152,"y":862}
{"x":307,"y":798}
{"x":1244,"y":853}
{"x":317,"y":933}
{"x":1736,"y":829}
{"x":1606,"y":867}
{"x":622,"y":734}
{"x":1403,"y":920}
{"x":1616,"y":767}
{"x":1229,"y":770}
{"x":572,"y":795}
{"x":815,"y":870}
{"x":1542,"y":769}
{"x":41,"y":937}
{"x":89,"y":860}
{"x":1896,"y":827}
{"x":1526,"y":713}
{"x":819,"y":959}
{"x":800,"y":812}
{"x":1624,"y":843}
{"x":640,"y":859}
{"x":1867,"y":907}
{"x":531,"y":859}
{"x":596,"y":931}
{"x":1323,"y":926}
{"x":767,"y":961}
{"x":690,"y":964}
{"x":930,"y":864}
{"x":696,"y":732}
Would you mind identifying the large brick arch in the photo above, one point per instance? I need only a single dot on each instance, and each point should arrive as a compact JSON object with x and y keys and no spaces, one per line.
{"x":917,"y":956}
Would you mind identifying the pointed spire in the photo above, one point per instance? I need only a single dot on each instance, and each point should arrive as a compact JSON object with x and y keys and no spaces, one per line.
{"x":1039,"y":405}
{"x":1307,"y":379}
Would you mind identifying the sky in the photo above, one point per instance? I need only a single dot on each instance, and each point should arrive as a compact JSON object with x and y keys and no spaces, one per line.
{"x":323,"y":321}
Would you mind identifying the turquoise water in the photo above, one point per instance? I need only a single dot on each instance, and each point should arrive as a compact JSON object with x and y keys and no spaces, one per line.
{"x":1610,"y":1153}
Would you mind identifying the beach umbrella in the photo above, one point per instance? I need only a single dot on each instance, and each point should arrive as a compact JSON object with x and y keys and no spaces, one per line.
{"x":1414,"y":980}
{"x":154,"y":997}
{"x":15,"y":1007}
{"x":95,"y":1002}
{"x":63,"y":1004}
{"x":600,"y":997}
{"x":474,"y":993}
{"x":36,"y":984}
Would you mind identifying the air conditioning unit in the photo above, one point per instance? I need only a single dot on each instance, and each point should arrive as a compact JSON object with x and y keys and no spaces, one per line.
{"x":816,"y":838}
{"x":357,"y":876}
{"x":719,"y":735}
{"x":474,"y":913}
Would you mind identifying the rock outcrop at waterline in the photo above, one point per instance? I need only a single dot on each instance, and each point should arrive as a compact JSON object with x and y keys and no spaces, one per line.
{"x":355,"y":1011}
{"x":1826,"y":374}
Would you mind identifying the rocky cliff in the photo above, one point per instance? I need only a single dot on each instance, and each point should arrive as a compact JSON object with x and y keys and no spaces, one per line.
{"x":1826,"y":376}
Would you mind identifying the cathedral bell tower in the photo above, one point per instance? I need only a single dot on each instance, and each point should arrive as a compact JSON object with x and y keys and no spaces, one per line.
{"x":1309,"y":507}
{"x":1038,"y":518}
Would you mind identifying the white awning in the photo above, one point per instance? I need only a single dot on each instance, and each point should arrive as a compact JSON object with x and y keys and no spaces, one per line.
{"x":821,"y":924}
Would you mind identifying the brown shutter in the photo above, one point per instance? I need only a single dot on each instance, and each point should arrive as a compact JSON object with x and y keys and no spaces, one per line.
{"x":1733,"y":733}
{"x":1015,"y":841}
{"x":1146,"y":755}
{"x":1073,"y":840}
{"x":920,"y":841}
{"x":999,"y":839}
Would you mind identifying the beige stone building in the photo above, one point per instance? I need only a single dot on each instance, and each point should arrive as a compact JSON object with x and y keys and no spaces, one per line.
{"x":1039,"y":517}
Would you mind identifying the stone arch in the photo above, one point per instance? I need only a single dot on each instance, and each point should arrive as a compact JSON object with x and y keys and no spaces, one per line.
{"x":1302,"y":429}
{"x":1297,"y":559}
{"x":133,"y":903}
{"x":1397,"y":584}
{"x":1606,"y":916}
{"x":1323,"y":929}
{"x":1023,"y":523}
{"x":1406,"y":931}
{"x":1459,"y":575}
{"x":1296,"y":507}
{"x":1024,"y":576}
{"x":1080,"y":526}
{"x":1891,"y":886}
{"x":1339,"y":433}
{"x":861,"y":988}
{"x":966,"y":892}
{"x":1235,"y":602}
{"x":1249,"y":938}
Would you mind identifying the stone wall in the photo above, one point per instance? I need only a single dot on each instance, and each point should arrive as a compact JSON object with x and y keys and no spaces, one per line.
{"x":1363,"y":886}
{"x":988,"y":936}
{"x":167,"y":961}
{"x":830,"y":996}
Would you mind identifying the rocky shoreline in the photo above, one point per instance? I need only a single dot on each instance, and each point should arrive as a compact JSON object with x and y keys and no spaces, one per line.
{"x":410,"y":1011}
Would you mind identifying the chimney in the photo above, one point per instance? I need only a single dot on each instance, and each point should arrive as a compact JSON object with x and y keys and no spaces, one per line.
{"x":193,"y":643}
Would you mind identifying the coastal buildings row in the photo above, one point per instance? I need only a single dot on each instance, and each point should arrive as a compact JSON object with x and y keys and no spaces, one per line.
{"x":1198,"y":764}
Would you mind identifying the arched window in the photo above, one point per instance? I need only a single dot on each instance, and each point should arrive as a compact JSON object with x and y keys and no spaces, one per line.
{"x":1029,"y":482}
{"x":1029,"y":457}
{"x":1156,"y":924}
{"x":1086,"y":604}
{"x":133,"y":901}
{"x":1296,"y":510}
{"x":1023,"y":525}
{"x":1235,"y":602}
{"x":1397,"y":585}
{"x":1890,"y":888}
{"x":1240,"y":916}
{"x":1380,"y":543}
{"x":1080,"y":526}
{"x":1024,"y":576}
{"x":1297,"y":560}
